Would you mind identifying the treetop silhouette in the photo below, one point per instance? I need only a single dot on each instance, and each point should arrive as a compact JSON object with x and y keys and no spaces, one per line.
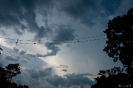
{"x":119,"y":47}
{"x":6,"y":75}
{"x":120,"y":39}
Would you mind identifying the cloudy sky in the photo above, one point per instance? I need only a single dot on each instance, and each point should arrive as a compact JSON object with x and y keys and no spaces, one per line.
{"x":58,"y":43}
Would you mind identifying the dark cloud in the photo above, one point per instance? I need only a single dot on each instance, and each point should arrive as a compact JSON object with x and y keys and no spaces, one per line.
{"x":56,"y":80}
{"x":21,"y":15}
{"x":22,"y":52}
{"x":70,"y":80}
{"x":36,"y":74}
{"x":9,"y":58}
{"x":65,"y":70}
{"x":16,"y":59}
{"x":78,"y":79}
{"x":84,"y":74}
{"x":16,"y":50}
{"x":17,"y":13}
{"x":62,"y":66}
{"x":40,"y":78}
{"x":54,"y":49}
{"x":1,"y":65}
{"x":63,"y":32}
{"x":111,"y":5}
{"x":81,"y":10}
{"x":34,"y":78}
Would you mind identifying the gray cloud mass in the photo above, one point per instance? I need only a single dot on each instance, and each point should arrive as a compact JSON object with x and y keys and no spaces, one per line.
{"x":9,"y":58}
{"x":21,"y":15}
{"x":62,"y":66}
{"x":64,"y":70}
{"x":40,"y":78}
{"x":63,"y":32}
{"x":83,"y":11}
{"x":14,"y":13}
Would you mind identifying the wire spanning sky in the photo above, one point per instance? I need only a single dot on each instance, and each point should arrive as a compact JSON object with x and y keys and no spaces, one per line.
{"x":58,"y":43}
{"x":77,"y":40}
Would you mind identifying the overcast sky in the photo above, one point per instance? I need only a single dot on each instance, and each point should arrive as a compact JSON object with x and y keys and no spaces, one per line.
{"x":58,"y":43}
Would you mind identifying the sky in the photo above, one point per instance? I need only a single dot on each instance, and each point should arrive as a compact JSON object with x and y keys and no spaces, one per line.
{"x":57,"y":43}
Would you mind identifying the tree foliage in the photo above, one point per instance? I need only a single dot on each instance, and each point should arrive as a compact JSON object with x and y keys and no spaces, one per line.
{"x":6,"y":75}
{"x":112,"y":78}
{"x":11,"y":71}
{"x":119,"y":47}
{"x":120,"y":38}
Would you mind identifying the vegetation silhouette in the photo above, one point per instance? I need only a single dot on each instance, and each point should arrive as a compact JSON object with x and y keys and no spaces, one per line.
{"x":119,"y":47}
{"x":6,"y":75}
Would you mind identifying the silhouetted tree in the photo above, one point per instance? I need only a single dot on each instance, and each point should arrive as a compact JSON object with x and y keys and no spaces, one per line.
{"x":7,"y":73}
{"x":119,"y":47}
{"x":1,"y":49}
{"x":120,"y":39}
{"x":112,"y":78}
{"x":12,"y":71}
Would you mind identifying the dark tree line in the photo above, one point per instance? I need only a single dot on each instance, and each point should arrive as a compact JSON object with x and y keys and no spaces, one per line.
{"x":6,"y":75}
{"x":119,"y":47}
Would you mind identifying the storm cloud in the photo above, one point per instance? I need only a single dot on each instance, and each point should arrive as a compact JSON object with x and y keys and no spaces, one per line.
{"x":62,"y":34}
{"x":62,"y":66}
{"x":45,"y":78}
{"x":83,"y":11}
{"x":21,"y":15}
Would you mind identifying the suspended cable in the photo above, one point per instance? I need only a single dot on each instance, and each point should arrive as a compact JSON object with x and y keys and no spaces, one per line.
{"x":56,"y":42}
{"x":53,"y":40}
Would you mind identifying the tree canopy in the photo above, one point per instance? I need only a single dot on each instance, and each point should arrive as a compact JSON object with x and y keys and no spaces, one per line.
{"x":112,"y":78}
{"x":120,"y":38}
{"x":6,"y":75}
{"x":119,"y":47}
